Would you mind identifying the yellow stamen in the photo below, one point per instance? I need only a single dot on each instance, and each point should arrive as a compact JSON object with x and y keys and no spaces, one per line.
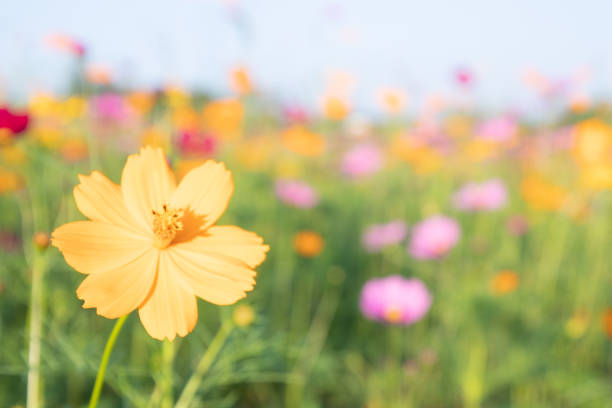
{"x":393,"y":314}
{"x":166,"y":223}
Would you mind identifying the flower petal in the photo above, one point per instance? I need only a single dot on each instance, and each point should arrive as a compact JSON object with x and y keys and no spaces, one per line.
{"x":232,"y":241}
{"x":93,"y":246}
{"x":99,"y":199}
{"x":205,"y":191}
{"x":117,"y":292}
{"x":171,"y":309}
{"x":147,"y":183}
{"x":216,"y":270}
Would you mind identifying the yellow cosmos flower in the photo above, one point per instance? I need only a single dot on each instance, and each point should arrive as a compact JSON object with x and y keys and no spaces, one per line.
{"x":153,"y":246}
{"x":592,"y":142}
{"x":240,"y":81}
{"x":541,"y":194}
{"x":224,"y":118}
{"x":335,"y":107}
{"x":302,"y":141}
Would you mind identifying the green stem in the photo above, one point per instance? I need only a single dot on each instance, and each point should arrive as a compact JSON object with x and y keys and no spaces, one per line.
{"x":204,"y":365}
{"x":167,"y":374}
{"x":33,"y":389}
{"x":110,"y":343}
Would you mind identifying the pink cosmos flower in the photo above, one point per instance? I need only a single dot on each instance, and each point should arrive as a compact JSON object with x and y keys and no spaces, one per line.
{"x":361,"y":161}
{"x":433,"y":237}
{"x":486,"y":196}
{"x":296,"y":193}
{"x":110,"y":107}
{"x":498,"y":129}
{"x":379,"y":236}
{"x":198,"y":143}
{"x":394,"y":300}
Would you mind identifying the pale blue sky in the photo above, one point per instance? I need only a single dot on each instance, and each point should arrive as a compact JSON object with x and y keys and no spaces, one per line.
{"x":290,"y":45}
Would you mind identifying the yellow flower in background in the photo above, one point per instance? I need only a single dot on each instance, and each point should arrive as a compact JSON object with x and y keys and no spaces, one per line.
{"x":504,"y":282}
{"x":243,"y":315}
{"x":577,"y":325}
{"x":153,"y":246}
{"x":74,"y":150}
{"x":288,"y":167}
{"x":223,"y":118}
{"x":422,"y":158}
{"x":458,"y":126}
{"x":335,"y":107}
{"x":240,"y":81}
{"x":176,"y":97}
{"x":393,"y":101}
{"x":299,"y":139}
{"x":309,"y":244}
{"x":185,"y":118}
{"x":12,"y":155}
{"x":9,"y":181}
{"x":155,"y":137}
{"x":541,"y":194}
{"x":141,"y":101}
{"x":254,"y":153}
{"x":592,"y":143}
{"x":48,"y":135}
{"x":596,"y":177}
{"x":479,"y":150}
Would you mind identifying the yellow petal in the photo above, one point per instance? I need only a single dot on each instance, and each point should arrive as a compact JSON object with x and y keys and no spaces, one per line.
{"x":232,"y":241}
{"x":147,"y":183}
{"x":117,"y":292}
{"x":217,"y":269}
{"x":171,"y":309}
{"x":99,"y":199}
{"x":93,"y":246}
{"x":204,"y":193}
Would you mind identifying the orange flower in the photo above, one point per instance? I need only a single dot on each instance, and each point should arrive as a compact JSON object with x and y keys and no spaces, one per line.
{"x":9,"y":181}
{"x":73,"y":150}
{"x":153,"y":246}
{"x":504,"y":282}
{"x":243,"y":315}
{"x":393,"y":101}
{"x":541,"y":194}
{"x":335,"y":108}
{"x":592,"y":143}
{"x":300,"y":140}
{"x":308,"y":243}
{"x":240,"y":81}
{"x":607,"y":321}
{"x":224,"y":118}
{"x":99,"y":74}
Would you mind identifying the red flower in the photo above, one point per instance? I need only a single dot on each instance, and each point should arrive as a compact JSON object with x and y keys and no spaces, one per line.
{"x":16,"y":123}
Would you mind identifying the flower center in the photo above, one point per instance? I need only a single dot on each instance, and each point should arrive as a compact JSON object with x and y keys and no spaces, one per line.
{"x":393,"y":314}
{"x":166,"y":223}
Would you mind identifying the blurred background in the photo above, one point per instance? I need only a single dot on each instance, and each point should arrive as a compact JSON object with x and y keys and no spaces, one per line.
{"x":433,"y":179}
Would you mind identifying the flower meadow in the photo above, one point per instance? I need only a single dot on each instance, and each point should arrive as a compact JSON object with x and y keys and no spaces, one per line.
{"x":179,"y":248}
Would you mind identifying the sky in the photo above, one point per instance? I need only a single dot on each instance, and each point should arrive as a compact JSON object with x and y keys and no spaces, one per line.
{"x":291,"y":46}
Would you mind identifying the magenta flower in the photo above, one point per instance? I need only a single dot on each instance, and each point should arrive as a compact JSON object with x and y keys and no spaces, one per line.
{"x":361,"y":161}
{"x":110,"y":107}
{"x":394,"y":300}
{"x":433,"y":237}
{"x":486,"y":196}
{"x":196,"y":143}
{"x":498,"y":129}
{"x":296,"y":193}
{"x":379,"y":236}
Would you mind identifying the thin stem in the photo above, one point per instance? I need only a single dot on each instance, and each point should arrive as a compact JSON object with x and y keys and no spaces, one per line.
{"x":110,"y":343}
{"x":167,"y":374}
{"x":33,"y":389}
{"x":204,"y":365}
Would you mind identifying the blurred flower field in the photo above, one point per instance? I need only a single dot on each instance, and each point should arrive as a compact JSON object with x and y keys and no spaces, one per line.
{"x":450,"y":258}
